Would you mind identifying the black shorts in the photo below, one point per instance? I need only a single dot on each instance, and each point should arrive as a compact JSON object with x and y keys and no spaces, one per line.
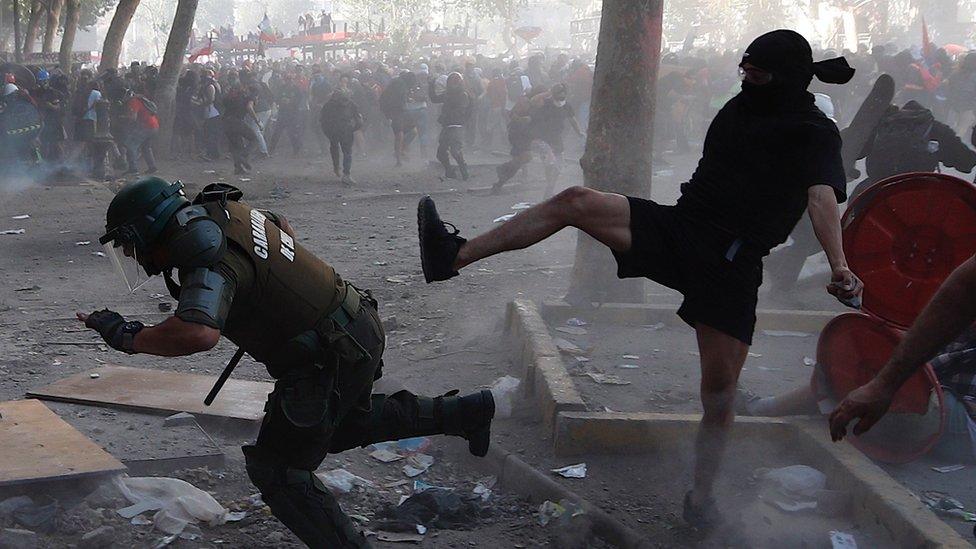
{"x":692,"y":257}
{"x":402,"y":123}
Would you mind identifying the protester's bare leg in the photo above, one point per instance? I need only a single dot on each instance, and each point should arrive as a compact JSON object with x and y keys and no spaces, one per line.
{"x":722,"y":357}
{"x":604,"y":216}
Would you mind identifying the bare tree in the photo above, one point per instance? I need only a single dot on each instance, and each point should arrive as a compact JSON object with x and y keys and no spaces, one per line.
{"x":53,"y":22}
{"x":112,"y":48}
{"x":618,"y":144}
{"x":33,"y":25}
{"x":18,"y":50}
{"x":71,"y":16}
{"x":169,"y":71}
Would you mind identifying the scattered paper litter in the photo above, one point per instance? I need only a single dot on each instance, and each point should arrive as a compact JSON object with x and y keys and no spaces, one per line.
{"x":576,"y":322}
{"x":503,"y":218}
{"x":384,"y":455}
{"x":653,"y":327}
{"x":521,"y":206}
{"x":19,"y":217}
{"x":396,"y":279}
{"x":99,"y":254}
{"x":13,"y":231}
{"x":421,"y":486}
{"x":842,"y":540}
{"x":342,"y":480}
{"x":417,"y":464}
{"x":785,"y":333}
{"x":948,"y":468}
{"x":94,"y":375}
{"x":572,"y":330}
{"x":83,"y":243}
{"x":628,"y":366}
{"x":398,"y":537}
{"x":572,"y":471}
{"x":630,"y":357}
{"x":607,"y":379}
{"x":807,"y":361}
{"x":755,"y":355}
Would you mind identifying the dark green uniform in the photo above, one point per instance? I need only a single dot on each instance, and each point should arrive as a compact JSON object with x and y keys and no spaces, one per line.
{"x":322,"y":341}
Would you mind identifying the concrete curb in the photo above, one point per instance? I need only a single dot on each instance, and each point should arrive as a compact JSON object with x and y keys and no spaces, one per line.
{"x":545,"y":375}
{"x":639,"y":313}
{"x":876,"y":497}
{"x":521,"y":478}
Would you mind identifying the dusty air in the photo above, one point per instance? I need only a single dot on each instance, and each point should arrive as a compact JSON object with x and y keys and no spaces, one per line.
{"x":487,"y":273}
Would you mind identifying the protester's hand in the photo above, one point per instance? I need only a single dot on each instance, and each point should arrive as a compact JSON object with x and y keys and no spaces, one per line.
{"x":867,"y":404}
{"x":846,"y":287}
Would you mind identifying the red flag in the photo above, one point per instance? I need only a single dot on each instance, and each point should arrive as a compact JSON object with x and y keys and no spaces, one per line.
{"x":200,"y":52}
{"x":267,"y":31}
{"x":926,"y":45}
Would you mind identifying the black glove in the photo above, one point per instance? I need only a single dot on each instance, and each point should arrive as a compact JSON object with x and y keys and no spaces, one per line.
{"x":113,"y":328}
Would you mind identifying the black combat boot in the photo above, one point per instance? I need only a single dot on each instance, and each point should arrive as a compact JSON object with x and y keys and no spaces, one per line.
{"x":438,"y":246}
{"x":468,"y":416}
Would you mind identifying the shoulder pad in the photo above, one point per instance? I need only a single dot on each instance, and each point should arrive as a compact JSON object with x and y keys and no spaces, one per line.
{"x":219,"y":192}
{"x":199,"y":241}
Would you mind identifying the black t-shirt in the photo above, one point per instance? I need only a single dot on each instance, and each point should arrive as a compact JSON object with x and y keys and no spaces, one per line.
{"x":756,"y":168}
{"x":549,"y":120}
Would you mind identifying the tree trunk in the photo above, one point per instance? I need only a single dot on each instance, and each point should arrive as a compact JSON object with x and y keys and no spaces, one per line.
{"x":71,"y":16}
{"x":18,"y":52}
{"x":169,"y":71}
{"x":53,"y":22}
{"x":33,"y":26}
{"x":112,"y":48}
{"x":618,"y":144}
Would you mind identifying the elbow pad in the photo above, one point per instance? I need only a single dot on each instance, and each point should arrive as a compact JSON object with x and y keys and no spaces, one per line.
{"x":205,"y":298}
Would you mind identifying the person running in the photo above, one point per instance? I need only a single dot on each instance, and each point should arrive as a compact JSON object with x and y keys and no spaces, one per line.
{"x":769,"y":155}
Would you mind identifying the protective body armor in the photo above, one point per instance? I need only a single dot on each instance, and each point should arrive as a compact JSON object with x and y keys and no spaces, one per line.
{"x":292,"y":291}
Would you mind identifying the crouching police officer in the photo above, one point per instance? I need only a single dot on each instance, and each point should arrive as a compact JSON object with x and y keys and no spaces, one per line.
{"x":242,"y":274}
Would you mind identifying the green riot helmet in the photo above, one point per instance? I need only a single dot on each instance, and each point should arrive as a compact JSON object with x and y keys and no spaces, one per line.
{"x":134,"y":223}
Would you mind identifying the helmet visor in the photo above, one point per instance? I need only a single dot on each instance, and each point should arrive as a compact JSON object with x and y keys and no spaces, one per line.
{"x":124,"y":259}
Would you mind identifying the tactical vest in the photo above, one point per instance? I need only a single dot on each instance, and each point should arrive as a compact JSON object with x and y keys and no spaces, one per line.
{"x":293,"y":291}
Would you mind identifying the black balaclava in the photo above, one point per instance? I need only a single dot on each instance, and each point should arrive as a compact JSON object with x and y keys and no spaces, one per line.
{"x":788,"y":57}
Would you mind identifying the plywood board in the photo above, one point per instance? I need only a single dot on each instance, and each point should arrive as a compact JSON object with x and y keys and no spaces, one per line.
{"x":159,"y":391}
{"x":39,"y":446}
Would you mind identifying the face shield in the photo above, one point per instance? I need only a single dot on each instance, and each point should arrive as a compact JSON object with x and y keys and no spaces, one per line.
{"x":124,"y":258}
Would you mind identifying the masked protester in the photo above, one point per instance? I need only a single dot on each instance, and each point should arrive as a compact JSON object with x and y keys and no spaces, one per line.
{"x":455,"y":113}
{"x":241,"y":273}
{"x":51,"y":103}
{"x":768,"y":154}
{"x":340,"y":120}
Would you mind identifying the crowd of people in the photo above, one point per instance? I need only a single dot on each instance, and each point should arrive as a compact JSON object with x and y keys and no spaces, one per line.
{"x":348,"y":108}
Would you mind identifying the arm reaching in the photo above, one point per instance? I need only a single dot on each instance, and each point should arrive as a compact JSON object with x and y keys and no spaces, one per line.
{"x":951,"y":310}
{"x":822,"y":207}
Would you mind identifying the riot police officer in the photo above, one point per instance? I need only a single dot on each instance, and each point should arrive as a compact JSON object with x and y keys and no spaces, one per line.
{"x":241,"y":273}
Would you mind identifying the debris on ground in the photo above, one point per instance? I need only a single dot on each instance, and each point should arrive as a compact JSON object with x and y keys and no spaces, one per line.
{"x":100,"y":537}
{"x":13,"y":231}
{"x":572,"y":330}
{"x":576,"y":322}
{"x":177,"y":503}
{"x":432,"y":508}
{"x":417,"y":464}
{"x":503,"y":219}
{"x":607,"y":379}
{"x":17,"y":538}
{"x":503,"y":390}
{"x":19,"y":217}
{"x":653,"y":327}
{"x":945,"y":505}
{"x":628,"y":366}
{"x":842,"y":540}
{"x":792,"y":488}
{"x":948,"y":468}
{"x":572,"y":471}
{"x":550,"y":511}
{"x":343,"y":481}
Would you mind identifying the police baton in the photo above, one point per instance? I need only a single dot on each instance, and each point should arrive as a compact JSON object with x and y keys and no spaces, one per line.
{"x":224,"y":376}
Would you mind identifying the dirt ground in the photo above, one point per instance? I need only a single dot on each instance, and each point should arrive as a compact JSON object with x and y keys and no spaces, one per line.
{"x":441,"y":337}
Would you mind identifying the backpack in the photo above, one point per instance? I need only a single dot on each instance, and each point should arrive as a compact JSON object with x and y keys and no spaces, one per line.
{"x":901,"y":143}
